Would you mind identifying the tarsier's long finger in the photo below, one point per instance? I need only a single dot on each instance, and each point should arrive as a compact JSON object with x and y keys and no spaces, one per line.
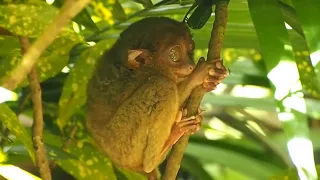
{"x":199,"y":118}
{"x":179,"y":116}
{"x":195,"y":129}
{"x":184,"y":112}
{"x":189,"y":128}
{"x":210,"y":86}
{"x":185,"y":123}
{"x":188,"y":118}
{"x":216,"y":80}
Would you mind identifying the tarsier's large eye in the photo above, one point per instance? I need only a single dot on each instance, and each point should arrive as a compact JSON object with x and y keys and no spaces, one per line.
{"x":175,"y":53}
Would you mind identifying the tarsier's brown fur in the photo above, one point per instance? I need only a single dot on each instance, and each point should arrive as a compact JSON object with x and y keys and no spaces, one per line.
{"x":134,"y":104}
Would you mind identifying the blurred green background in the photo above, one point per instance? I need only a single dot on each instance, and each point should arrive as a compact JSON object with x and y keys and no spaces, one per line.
{"x":262,"y":122}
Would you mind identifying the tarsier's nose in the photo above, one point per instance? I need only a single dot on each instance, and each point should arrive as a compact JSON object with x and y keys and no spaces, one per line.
{"x":192,"y":66}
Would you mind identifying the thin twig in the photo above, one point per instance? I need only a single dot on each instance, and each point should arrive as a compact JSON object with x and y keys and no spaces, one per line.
{"x":67,"y":12}
{"x":215,"y":46}
{"x":37,"y":126}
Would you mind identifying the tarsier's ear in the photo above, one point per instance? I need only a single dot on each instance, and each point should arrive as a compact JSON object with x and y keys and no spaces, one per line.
{"x":133,"y":61}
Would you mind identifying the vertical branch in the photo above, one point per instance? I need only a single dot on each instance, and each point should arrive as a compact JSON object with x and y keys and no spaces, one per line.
{"x":215,"y":46}
{"x":37,"y":126}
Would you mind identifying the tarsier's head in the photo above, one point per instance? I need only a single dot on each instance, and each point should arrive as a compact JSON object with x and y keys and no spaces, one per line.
{"x":162,"y":43}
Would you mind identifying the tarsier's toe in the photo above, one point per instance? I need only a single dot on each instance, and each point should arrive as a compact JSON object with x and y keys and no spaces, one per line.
{"x":210,"y":86}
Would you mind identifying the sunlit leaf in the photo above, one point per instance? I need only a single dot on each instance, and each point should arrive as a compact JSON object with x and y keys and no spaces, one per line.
{"x":50,"y":63}
{"x":3,"y":157}
{"x":24,"y":20}
{"x":109,"y":11}
{"x":252,"y":163}
{"x":124,"y":174}
{"x":146,"y":3}
{"x":53,"y":152}
{"x":91,"y":164}
{"x":291,"y":174}
{"x":8,"y":117}
{"x":274,"y":40}
{"x":15,"y":173}
{"x":307,"y":12}
{"x":84,"y":18}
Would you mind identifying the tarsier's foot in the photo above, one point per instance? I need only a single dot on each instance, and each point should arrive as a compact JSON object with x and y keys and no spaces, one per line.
{"x":199,"y":118}
{"x":183,"y":124}
{"x":215,"y":75}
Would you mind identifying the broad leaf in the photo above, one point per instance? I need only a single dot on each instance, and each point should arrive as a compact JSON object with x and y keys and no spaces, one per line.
{"x":274,"y":39}
{"x":91,"y":164}
{"x":24,"y":20}
{"x":74,"y":89}
{"x":8,"y":117}
{"x":249,"y":162}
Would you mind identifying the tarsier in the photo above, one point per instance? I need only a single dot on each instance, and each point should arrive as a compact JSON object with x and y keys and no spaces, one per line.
{"x":137,"y":94}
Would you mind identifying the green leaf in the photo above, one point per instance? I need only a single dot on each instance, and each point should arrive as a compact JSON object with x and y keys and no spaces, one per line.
{"x":108,"y":10}
{"x":53,"y":152}
{"x":84,"y":18}
{"x":200,"y":15}
{"x":193,"y":166}
{"x":9,"y":171}
{"x":8,"y":117}
{"x":145,"y":3}
{"x":124,"y":174}
{"x":30,"y":20}
{"x":249,"y":162}
{"x":280,"y":139}
{"x":290,"y":16}
{"x":266,"y":104}
{"x":51,"y":62}
{"x":291,"y":174}
{"x":274,"y":43}
{"x":74,"y":89}
{"x":308,"y":14}
{"x":26,"y":19}
{"x":91,"y":164}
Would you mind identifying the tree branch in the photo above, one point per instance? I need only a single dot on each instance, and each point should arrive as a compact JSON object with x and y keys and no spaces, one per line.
{"x":215,"y":46}
{"x":37,"y":126}
{"x":29,"y":59}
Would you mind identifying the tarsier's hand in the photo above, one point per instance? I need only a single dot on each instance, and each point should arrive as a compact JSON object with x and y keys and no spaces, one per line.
{"x":209,"y":73}
{"x":215,"y":75}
